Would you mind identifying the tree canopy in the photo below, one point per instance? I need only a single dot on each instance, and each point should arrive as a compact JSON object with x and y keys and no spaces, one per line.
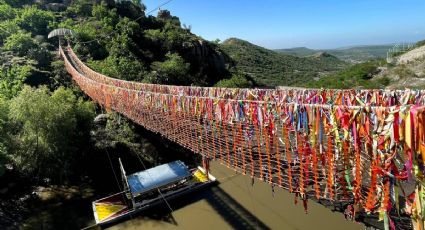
{"x":50,"y":126}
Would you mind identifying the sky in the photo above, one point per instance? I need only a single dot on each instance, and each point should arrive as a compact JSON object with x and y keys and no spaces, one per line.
{"x":318,"y":24}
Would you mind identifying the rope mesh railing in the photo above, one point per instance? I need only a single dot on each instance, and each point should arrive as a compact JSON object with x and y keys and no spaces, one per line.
{"x":364,"y":148}
{"x":351,"y":97}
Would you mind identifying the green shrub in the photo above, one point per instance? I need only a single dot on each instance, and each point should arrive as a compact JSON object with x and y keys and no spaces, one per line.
{"x":4,"y":137}
{"x":20,"y":43}
{"x":12,"y":80}
{"x":7,"y":28}
{"x":174,"y":70}
{"x":127,"y":68}
{"x":404,"y":72}
{"x":358,"y":75}
{"x":35,"y":20}
{"x":6,"y":12}
{"x":236,"y":81}
{"x":52,"y":125}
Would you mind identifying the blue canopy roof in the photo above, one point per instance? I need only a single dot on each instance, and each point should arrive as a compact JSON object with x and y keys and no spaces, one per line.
{"x":158,"y":176}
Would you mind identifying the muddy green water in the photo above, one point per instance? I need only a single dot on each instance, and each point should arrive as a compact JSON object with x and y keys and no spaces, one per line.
{"x":235,"y":204}
{"x":232,"y":204}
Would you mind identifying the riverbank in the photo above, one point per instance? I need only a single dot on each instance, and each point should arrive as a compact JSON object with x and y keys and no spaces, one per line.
{"x":53,"y":207}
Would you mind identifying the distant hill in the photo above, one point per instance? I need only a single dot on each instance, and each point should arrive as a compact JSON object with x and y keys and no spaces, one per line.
{"x":298,"y":51}
{"x":407,"y":71}
{"x":353,"y":54}
{"x":323,"y":56}
{"x":270,"y":68}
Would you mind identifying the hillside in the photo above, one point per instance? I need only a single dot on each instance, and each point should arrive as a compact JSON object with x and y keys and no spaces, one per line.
{"x":356,"y":76}
{"x":298,"y":51}
{"x":407,"y":71}
{"x":354,"y":54}
{"x":411,"y":56}
{"x":270,"y":68}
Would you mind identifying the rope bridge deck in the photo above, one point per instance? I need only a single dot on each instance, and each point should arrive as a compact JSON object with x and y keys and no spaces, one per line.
{"x":362,"y":148}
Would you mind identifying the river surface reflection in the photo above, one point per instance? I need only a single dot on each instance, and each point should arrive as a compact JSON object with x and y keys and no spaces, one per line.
{"x":235,"y":204}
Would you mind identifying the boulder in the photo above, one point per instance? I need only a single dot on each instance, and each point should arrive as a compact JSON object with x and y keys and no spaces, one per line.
{"x":56,"y":7}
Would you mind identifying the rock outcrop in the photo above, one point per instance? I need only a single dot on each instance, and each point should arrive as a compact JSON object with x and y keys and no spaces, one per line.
{"x":412,"y":55}
{"x":210,"y":60}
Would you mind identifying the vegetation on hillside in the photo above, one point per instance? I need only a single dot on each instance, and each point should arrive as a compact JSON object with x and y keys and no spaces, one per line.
{"x":379,"y":74}
{"x":269,"y":68}
{"x":353,"y":54}
{"x":237,"y":81}
{"x":357,"y":76}
{"x":420,"y":43}
{"x":25,"y":58}
{"x":51,"y":132}
{"x":151,"y":49}
{"x":298,"y":51}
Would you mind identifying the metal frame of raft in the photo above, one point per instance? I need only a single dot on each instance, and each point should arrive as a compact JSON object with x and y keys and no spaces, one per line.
{"x":143,"y":190}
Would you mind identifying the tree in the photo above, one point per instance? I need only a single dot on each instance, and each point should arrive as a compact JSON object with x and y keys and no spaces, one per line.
{"x":7,"y":28}
{"x":6,"y":12}
{"x":137,"y":3}
{"x":122,"y":45}
{"x":174,"y":70}
{"x":236,"y":81}
{"x":109,"y":18}
{"x":4,"y":137}
{"x":50,"y":131}
{"x":12,"y":80}
{"x":41,"y":55}
{"x":127,"y":68}
{"x":60,"y":76}
{"x":358,"y":75}
{"x":20,"y":43}
{"x":216,"y":41}
{"x":35,"y":20}
{"x":3,"y":159}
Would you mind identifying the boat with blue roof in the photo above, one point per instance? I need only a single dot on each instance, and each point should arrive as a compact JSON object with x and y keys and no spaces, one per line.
{"x":149,"y":188}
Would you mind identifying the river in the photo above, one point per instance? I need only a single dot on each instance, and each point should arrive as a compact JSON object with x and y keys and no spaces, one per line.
{"x":235,"y":204}
{"x":232,"y":204}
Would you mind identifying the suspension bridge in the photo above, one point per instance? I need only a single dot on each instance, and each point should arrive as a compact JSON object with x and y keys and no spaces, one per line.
{"x":361,"y":148}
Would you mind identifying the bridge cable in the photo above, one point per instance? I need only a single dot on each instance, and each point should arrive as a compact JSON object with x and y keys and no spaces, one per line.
{"x":113,"y":170}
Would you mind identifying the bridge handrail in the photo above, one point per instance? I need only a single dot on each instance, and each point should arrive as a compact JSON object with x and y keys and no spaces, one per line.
{"x":291,"y":95}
